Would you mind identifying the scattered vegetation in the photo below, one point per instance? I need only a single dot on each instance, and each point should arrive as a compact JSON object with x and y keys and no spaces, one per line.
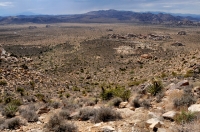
{"x":185,"y":101}
{"x":105,"y":114}
{"x":57,"y":124}
{"x":155,"y":87}
{"x":12,"y":123}
{"x":29,"y":114}
{"x":116,"y":101}
{"x":87,"y":113}
{"x":185,"y":117}
{"x":10,"y":110}
{"x":3,"y":82}
{"x":117,"y":91}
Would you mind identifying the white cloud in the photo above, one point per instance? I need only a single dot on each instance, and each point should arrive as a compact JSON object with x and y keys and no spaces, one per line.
{"x":4,"y":4}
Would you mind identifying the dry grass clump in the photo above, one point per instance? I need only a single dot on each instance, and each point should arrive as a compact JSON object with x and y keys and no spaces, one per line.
{"x":137,"y":102}
{"x":65,"y":114}
{"x":29,"y":113}
{"x":175,"y":94}
{"x":12,"y":123}
{"x":188,"y":127}
{"x":57,"y":124}
{"x":185,"y":101}
{"x":116,"y":101}
{"x":87,"y":113}
{"x":105,"y":114}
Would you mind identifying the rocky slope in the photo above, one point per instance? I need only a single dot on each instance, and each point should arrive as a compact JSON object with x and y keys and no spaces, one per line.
{"x":126,"y":79}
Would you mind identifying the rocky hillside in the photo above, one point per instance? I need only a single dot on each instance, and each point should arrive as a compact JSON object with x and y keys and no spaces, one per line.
{"x":99,"y":78}
{"x":103,"y":16}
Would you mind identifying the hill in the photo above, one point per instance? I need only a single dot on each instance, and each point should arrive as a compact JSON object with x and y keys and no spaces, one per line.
{"x":103,"y":16}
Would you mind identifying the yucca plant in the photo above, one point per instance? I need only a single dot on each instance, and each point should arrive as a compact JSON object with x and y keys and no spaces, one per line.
{"x":155,"y":87}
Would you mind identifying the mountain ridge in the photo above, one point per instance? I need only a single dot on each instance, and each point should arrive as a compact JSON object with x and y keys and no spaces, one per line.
{"x":103,"y":16}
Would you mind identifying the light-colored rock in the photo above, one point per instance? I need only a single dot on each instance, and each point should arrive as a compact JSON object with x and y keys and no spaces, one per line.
{"x":152,"y":115}
{"x":153,"y":123}
{"x":162,"y":130}
{"x":169,"y":115}
{"x":126,"y":112}
{"x":98,"y":124}
{"x":146,"y":56}
{"x":107,"y":129}
{"x":194,"y":108}
{"x":123,"y":104}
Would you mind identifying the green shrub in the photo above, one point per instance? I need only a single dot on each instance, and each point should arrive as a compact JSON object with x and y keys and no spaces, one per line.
{"x":16,"y":102}
{"x":189,"y":73}
{"x":185,"y":117}
{"x":10,"y":110}
{"x":3,"y":82}
{"x":136,"y":82}
{"x":40,"y":97}
{"x":20,"y":90}
{"x":67,"y":95}
{"x":155,"y":87}
{"x":118,"y":91}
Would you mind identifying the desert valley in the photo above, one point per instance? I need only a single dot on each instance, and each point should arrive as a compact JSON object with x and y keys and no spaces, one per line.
{"x":99,"y":77}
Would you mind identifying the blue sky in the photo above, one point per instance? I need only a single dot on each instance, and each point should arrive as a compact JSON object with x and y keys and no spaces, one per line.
{"x":82,"y":6}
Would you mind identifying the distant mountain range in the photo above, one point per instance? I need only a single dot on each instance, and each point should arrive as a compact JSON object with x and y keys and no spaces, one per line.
{"x":105,"y":16}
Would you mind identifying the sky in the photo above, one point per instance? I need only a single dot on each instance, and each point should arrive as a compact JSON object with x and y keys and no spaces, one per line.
{"x":55,"y":7}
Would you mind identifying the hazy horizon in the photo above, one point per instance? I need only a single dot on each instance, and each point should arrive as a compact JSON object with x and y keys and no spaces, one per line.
{"x":52,"y":7}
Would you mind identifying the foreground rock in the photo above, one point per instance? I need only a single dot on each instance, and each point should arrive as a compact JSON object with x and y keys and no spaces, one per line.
{"x":194,"y":108}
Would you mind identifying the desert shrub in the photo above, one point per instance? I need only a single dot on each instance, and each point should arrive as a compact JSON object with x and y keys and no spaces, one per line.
{"x":86,"y":113}
{"x":136,"y":82}
{"x":3,"y":82}
{"x":159,"y":96}
{"x":7,"y":99}
{"x":65,"y":114}
{"x":16,"y":102}
{"x":91,"y":102}
{"x":146,"y":104}
{"x":57,"y":124}
{"x":55,"y":104}
{"x":188,"y":127}
{"x":29,"y":114}
{"x":116,"y":101}
{"x":136,"y":103}
{"x":155,"y":87}
{"x":2,"y":120}
{"x":67,"y":95}
{"x":20,"y":90}
{"x":70,"y":105}
{"x":40,"y":96}
{"x":118,"y":91}
{"x":141,"y":103}
{"x":105,"y":114}
{"x":189,"y":73}
{"x":185,"y":101}
{"x":10,"y":110}
{"x":185,"y":117}
{"x":12,"y":123}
